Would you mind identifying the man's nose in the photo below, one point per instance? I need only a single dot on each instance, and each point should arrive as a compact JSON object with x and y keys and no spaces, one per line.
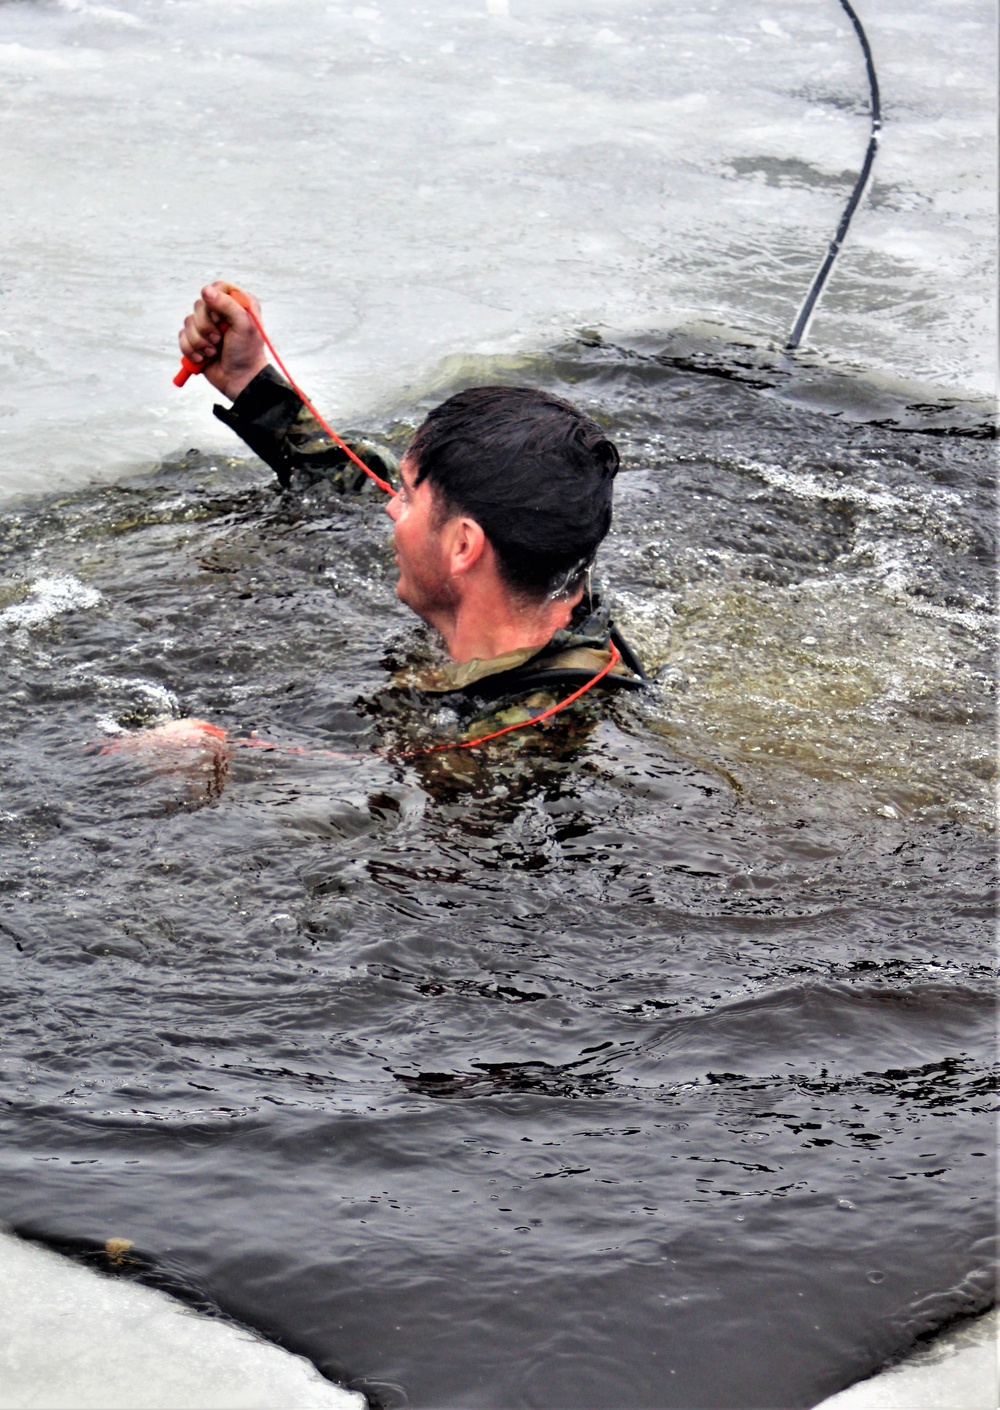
{"x":392,"y":507}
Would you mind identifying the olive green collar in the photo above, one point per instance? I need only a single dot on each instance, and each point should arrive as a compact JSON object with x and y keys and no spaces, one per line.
{"x":591,"y":630}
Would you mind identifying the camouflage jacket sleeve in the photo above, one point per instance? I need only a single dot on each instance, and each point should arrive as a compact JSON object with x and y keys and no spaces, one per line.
{"x":275,"y":424}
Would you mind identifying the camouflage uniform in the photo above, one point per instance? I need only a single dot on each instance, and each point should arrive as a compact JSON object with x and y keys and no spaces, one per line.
{"x":276,"y":425}
{"x":270,"y":417}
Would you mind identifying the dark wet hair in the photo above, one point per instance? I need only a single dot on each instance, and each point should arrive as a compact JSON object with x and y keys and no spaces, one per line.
{"x":535,"y":474}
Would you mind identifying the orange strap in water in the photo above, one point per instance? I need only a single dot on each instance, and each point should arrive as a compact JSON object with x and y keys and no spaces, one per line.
{"x":615,"y":657}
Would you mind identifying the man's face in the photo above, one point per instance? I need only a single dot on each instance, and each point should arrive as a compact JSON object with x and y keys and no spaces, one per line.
{"x":424,"y":583}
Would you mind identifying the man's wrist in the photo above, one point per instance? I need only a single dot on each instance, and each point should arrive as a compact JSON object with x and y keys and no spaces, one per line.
{"x":239,"y":381}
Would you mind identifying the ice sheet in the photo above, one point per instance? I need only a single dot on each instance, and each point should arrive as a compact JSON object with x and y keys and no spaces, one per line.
{"x":959,"y":1369}
{"x":74,"y":1339}
{"x":400,"y":182}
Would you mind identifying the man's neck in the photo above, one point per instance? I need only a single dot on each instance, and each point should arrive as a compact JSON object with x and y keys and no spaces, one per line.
{"x":487,"y":625}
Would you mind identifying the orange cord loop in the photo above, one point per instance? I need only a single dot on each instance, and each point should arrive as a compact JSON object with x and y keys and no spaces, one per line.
{"x":382,"y":484}
{"x":616,"y":656}
{"x":191,"y":369}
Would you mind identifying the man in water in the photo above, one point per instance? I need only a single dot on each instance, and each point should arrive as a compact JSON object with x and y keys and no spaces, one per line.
{"x":504,"y":496}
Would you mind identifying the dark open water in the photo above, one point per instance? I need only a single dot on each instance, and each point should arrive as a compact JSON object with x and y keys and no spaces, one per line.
{"x":648,"y":1065}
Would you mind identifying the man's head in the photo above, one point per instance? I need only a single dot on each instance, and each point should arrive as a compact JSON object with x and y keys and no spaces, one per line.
{"x":506,"y":496}
{"x":532,"y":471}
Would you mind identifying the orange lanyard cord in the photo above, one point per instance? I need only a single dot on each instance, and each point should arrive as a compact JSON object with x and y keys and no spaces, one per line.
{"x":382,"y":484}
{"x":615,"y":655}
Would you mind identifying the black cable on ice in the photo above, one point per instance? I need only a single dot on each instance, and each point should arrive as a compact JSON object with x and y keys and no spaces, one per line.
{"x":812,"y":298}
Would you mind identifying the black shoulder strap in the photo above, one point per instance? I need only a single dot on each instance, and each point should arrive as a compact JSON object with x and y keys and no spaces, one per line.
{"x":629,"y":657}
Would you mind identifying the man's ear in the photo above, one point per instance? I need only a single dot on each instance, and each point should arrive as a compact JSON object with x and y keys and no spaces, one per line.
{"x":465,"y":544}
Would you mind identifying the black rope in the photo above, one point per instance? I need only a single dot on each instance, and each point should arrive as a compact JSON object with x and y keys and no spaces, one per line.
{"x":818,"y":284}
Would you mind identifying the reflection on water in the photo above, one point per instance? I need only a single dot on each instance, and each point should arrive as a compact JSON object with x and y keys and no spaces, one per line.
{"x":640,"y":1047}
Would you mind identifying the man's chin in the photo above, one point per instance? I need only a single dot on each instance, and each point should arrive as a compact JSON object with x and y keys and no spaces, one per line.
{"x":419,"y":605}
{"x":407,"y":598}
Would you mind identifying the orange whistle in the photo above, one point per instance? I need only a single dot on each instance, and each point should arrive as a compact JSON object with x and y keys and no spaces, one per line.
{"x":191,"y":369}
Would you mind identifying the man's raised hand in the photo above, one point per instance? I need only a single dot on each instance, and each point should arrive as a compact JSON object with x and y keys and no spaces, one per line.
{"x":220,"y":337}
